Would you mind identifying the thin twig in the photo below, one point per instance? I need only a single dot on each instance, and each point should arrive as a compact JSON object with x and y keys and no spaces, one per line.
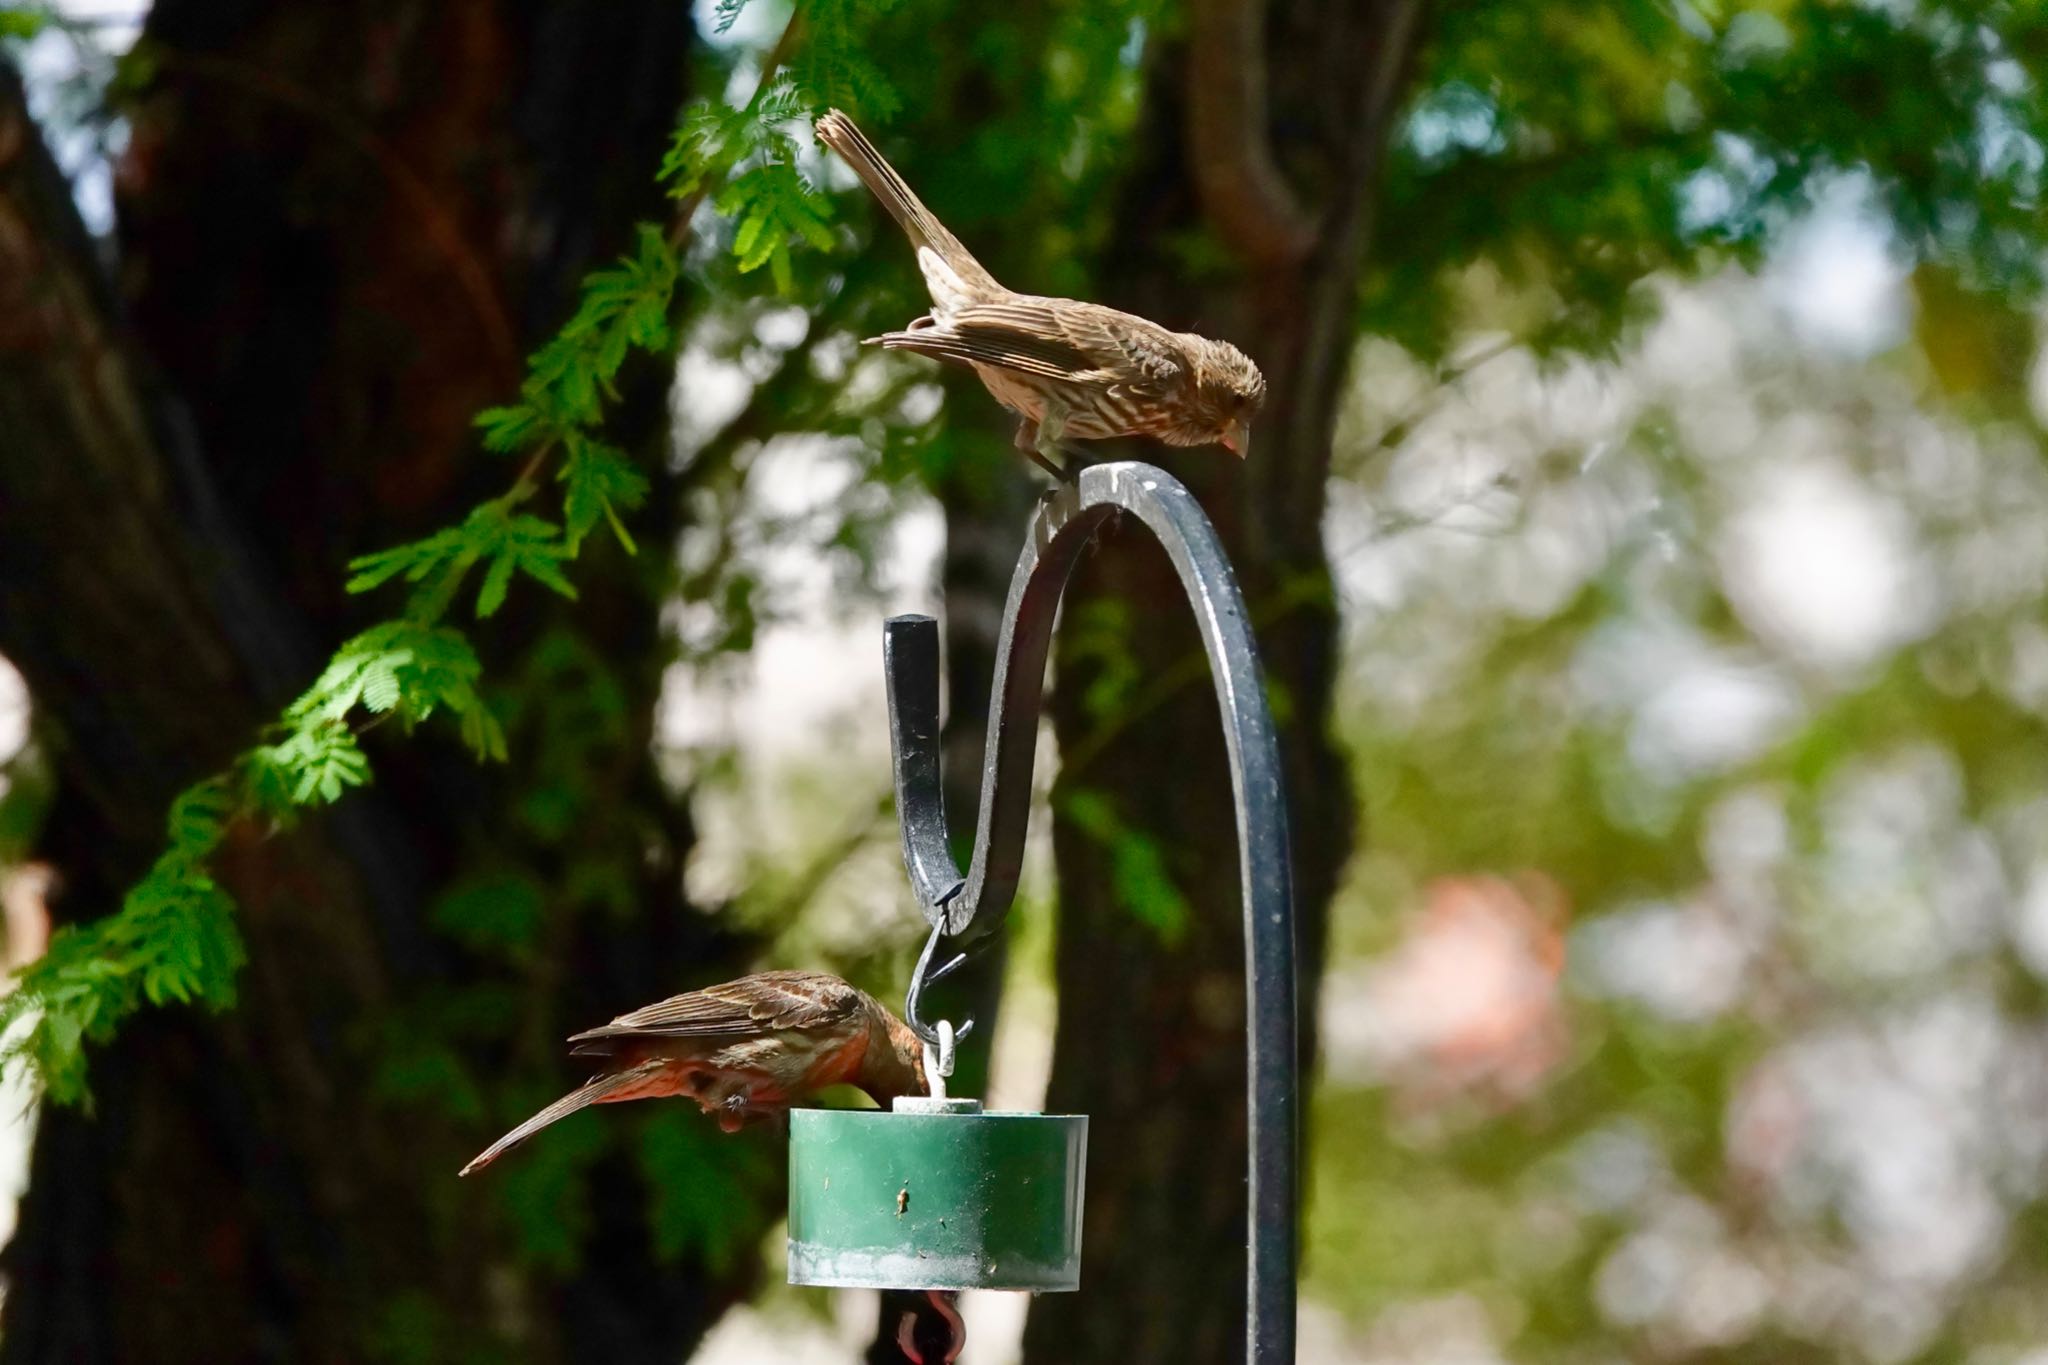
{"x":1446,"y":377}
{"x":1242,"y":191}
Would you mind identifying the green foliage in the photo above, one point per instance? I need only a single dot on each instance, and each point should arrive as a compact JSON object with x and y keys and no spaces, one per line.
{"x":1568,"y":153}
{"x":415,"y":1328}
{"x":524,"y":544}
{"x":422,"y":1042}
{"x":773,"y":205}
{"x":750,"y":154}
{"x":315,"y":763}
{"x":409,"y":670}
{"x":599,"y":482}
{"x":621,"y":308}
{"x":26,"y":786}
{"x":198,"y":818}
{"x":546,"y":1190}
{"x":424,"y":1069}
{"x":22,"y":22}
{"x":503,"y":541}
{"x":1099,"y":632}
{"x":709,"y":1193}
{"x":1138,"y":866}
{"x":495,"y":914}
{"x":571,"y":717}
{"x":174,"y":938}
{"x":1511,"y":707}
{"x":712,"y":138}
{"x":835,"y":64}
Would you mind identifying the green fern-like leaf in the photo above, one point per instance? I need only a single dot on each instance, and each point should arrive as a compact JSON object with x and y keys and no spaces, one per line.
{"x":409,"y":668}
{"x":177,"y":937}
{"x":315,"y":764}
{"x":696,"y":148}
{"x":835,"y":66}
{"x":597,"y":481}
{"x":437,"y":563}
{"x":621,"y":308}
{"x":774,"y":205}
{"x":199,"y":817}
{"x":440,"y":669}
{"x":172,"y":940}
{"x":510,"y":544}
{"x":511,"y":428}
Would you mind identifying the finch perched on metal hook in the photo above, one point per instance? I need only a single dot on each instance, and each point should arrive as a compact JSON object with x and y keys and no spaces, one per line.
{"x":1068,"y":369}
{"x":745,"y":1050}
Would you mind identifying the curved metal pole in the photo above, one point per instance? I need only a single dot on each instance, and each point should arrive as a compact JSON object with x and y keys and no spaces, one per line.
{"x":966,"y":908}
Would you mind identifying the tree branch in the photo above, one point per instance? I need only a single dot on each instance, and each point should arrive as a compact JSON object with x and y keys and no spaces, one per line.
{"x":1243,"y":193}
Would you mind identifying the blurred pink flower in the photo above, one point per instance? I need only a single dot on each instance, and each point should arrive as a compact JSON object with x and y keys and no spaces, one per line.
{"x":1468,"y":1004}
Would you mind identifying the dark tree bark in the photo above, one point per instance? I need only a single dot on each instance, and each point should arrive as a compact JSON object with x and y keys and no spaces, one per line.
{"x":342,"y":226}
{"x":1151,"y":1036}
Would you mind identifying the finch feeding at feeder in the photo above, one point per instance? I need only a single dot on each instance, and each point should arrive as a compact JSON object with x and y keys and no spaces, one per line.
{"x":1069,"y":370}
{"x":746,"y":1050}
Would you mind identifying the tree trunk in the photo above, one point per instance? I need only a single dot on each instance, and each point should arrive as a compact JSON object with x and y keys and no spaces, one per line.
{"x":1151,"y":1034}
{"x":342,"y":225}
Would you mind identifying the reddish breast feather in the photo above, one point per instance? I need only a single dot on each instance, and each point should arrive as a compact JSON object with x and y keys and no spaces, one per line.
{"x":838,"y":1064}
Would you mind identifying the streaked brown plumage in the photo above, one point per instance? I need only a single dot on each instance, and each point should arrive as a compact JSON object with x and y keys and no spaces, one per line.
{"x":744,"y":1050}
{"x":1069,"y":369}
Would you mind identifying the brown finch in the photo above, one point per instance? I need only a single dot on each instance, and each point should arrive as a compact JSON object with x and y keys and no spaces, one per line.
{"x":1069,"y":369}
{"x":745,"y":1050}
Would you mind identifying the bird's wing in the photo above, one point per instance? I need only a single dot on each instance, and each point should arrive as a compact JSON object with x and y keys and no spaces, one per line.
{"x":1000,"y":347}
{"x":1108,"y":347}
{"x":1052,"y":339}
{"x":766,"y":1002}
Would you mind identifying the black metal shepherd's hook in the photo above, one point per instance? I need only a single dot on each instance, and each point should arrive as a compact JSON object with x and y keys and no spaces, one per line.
{"x":966,"y":908}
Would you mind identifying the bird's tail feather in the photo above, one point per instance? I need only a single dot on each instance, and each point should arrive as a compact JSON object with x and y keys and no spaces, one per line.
{"x":838,"y":132}
{"x":599,"y":1090}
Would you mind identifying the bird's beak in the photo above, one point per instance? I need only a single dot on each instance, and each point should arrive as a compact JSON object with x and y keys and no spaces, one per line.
{"x":1237,"y":438}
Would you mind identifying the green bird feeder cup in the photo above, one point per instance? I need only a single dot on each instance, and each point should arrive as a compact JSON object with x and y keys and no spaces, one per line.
{"x":936,"y":1194}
